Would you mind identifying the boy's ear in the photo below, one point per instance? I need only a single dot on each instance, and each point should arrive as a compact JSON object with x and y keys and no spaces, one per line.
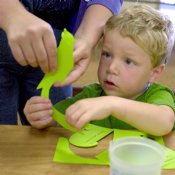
{"x":156,"y":72}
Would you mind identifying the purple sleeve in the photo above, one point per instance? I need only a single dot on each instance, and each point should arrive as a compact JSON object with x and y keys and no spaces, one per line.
{"x":113,"y":5}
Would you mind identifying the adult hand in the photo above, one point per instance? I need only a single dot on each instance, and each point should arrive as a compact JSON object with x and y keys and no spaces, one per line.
{"x":31,"y":40}
{"x":82,"y":56}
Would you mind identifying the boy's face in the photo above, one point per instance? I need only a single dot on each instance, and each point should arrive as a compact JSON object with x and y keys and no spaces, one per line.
{"x":125,"y":68}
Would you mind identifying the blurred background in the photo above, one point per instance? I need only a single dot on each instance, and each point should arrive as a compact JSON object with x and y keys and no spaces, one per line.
{"x":168,"y":76}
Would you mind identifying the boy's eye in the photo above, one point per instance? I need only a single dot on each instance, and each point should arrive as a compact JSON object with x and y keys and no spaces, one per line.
{"x":129,"y":61}
{"x":106,"y":54}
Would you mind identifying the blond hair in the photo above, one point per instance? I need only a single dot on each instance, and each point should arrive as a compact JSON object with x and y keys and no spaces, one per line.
{"x":148,"y":28}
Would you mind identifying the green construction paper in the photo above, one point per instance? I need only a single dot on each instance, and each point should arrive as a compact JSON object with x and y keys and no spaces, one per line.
{"x":89,"y":135}
{"x":60,"y":118}
{"x":104,"y":156}
{"x":119,"y":133}
{"x":65,"y":64}
{"x":64,"y":154}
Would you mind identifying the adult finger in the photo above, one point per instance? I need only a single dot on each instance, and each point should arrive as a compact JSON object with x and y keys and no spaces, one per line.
{"x":29,"y":53}
{"x":17,"y":53}
{"x":41,"y":54}
{"x":78,"y":71}
{"x":51,"y":49}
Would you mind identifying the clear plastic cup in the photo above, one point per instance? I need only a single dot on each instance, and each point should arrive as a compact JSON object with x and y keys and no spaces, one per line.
{"x":135,"y":156}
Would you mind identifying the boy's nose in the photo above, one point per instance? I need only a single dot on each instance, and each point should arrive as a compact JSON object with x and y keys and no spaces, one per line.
{"x":114,"y":67}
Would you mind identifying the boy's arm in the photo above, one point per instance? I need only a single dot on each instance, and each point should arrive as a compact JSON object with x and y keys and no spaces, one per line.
{"x":154,"y":119}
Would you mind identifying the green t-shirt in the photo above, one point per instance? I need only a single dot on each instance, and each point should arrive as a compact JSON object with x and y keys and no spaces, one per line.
{"x":156,"y":94}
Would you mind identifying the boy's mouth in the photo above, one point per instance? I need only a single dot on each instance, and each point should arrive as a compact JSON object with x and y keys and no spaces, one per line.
{"x":109,"y":84}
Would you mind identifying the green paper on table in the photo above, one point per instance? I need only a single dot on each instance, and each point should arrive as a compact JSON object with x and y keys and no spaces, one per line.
{"x":65,"y":64}
{"x":64,"y":154}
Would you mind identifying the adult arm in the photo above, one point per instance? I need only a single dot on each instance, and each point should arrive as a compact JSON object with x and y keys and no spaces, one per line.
{"x":87,"y":36}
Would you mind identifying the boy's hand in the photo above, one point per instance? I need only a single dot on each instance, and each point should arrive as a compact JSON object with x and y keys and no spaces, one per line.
{"x":87,"y":110}
{"x":38,"y":111}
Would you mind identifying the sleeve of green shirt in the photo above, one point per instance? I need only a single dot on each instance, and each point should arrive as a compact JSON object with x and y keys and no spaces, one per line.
{"x":162,"y":98}
{"x":160,"y":95}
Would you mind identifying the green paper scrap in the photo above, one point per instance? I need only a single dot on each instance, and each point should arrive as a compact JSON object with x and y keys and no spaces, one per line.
{"x":119,"y":133}
{"x":169,"y":162}
{"x":60,"y":118}
{"x":63,"y":154}
{"x":104,"y":156}
{"x":65,"y":64}
{"x":89,"y":135}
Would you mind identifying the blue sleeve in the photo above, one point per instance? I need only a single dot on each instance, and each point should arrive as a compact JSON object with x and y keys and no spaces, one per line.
{"x":113,"y":5}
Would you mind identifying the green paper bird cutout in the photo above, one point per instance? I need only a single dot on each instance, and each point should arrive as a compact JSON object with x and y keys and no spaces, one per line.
{"x":65,"y":64}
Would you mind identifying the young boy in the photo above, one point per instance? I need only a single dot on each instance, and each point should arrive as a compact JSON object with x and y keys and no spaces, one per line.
{"x":136,"y":45}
